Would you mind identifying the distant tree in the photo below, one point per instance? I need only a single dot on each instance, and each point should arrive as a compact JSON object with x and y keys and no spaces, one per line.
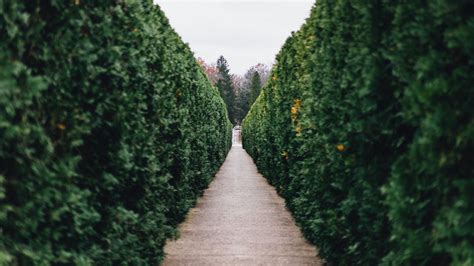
{"x":210,"y":70}
{"x":241,"y":105}
{"x":242,"y":90}
{"x":238,"y":82}
{"x":241,"y":98}
{"x":255,"y":87}
{"x":262,"y":69}
{"x":226,"y":86}
{"x":247,"y":89}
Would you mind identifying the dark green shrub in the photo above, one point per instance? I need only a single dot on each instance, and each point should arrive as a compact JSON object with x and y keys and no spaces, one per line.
{"x":430,"y":192}
{"x":109,"y":130}
{"x":364,"y":130}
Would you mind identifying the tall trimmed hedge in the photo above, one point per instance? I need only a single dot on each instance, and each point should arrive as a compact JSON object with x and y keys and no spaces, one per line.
{"x":109,"y":130}
{"x":366,"y":128}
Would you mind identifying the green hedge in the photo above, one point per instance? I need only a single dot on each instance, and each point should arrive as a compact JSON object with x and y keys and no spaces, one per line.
{"x":109,"y":130}
{"x":366,"y":129}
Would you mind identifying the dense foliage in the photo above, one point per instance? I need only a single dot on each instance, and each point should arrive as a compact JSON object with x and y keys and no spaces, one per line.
{"x":226,"y":86}
{"x":366,"y":128}
{"x":246,"y":94}
{"x":255,"y":87}
{"x":109,"y":130}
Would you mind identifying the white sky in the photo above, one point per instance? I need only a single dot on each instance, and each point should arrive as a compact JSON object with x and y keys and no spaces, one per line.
{"x":245,"y":32}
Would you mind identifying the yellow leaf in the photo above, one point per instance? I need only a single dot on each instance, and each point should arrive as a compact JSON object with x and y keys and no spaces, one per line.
{"x":340,"y":147}
{"x":298,"y":130}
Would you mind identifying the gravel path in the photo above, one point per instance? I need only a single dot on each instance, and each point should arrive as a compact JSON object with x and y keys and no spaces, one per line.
{"x":240,"y":220}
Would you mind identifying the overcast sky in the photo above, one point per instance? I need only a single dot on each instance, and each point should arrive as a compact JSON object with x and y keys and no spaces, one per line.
{"x":246,"y":32}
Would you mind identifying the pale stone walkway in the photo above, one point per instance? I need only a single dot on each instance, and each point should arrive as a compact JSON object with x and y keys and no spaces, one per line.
{"x":240,"y":220}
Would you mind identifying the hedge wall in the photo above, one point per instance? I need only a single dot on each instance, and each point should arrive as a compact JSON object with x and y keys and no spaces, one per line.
{"x":367,"y":130}
{"x":109,"y":130}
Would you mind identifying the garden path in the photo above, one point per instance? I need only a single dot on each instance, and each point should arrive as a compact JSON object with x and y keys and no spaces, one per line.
{"x":240,"y":220}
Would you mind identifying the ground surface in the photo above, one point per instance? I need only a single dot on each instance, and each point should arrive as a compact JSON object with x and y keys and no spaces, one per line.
{"x":240,"y":220}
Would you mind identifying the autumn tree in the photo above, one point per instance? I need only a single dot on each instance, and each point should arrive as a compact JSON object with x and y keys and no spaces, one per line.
{"x":210,"y":70}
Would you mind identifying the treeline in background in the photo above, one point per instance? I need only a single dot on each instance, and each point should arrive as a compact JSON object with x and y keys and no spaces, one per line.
{"x":109,"y":130}
{"x":238,"y":91}
{"x":366,"y":127}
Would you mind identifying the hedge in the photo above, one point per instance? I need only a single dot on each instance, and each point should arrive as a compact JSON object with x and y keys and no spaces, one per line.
{"x":366,"y":128}
{"x":109,"y":131}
